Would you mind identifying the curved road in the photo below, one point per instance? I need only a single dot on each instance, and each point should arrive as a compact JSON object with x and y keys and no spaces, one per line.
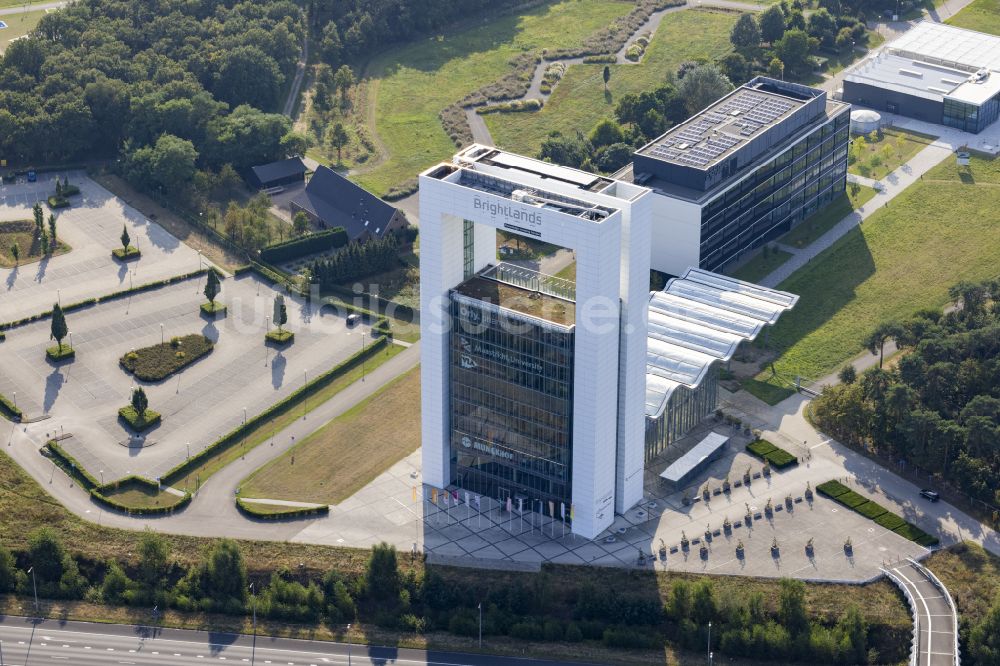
{"x":86,"y":644}
{"x":934,"y":617}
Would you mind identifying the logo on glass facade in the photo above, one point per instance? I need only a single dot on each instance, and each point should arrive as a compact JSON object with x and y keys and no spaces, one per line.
{"x":511,"y":213}
{"x":488,"y":449}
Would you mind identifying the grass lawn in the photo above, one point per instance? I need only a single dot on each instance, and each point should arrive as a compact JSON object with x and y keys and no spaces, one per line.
{"x":824,"y":220}
{"x":264,"y":433}
{"x":940,"y":231}
{"x":334,"y":463}
{"x":981,"y":15}
{"x":972,"y":576}
{"x":18,"y":25}
{"x":902,"y":145}
{"x":568,"y":273}
{"x":22,"y":232}
{"x":410,"y":85}
{"x":579,"y":101}
{"x":160,"y":361}
{"x":142,"y":496}
{"x":761,"y":266}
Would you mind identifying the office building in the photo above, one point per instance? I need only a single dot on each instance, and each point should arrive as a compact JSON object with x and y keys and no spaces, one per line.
{"x":742,"y":172}
{"x":539,"y":390}
{"x":933,"y":72}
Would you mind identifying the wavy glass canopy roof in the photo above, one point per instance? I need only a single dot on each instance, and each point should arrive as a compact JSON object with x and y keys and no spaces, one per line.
{"x":697,"y":319}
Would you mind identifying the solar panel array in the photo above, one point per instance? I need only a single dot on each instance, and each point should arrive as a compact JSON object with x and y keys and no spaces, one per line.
{"x":702,"y":140}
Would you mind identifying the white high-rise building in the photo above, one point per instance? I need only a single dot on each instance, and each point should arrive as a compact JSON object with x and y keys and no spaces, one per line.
{"x":533,"y":387}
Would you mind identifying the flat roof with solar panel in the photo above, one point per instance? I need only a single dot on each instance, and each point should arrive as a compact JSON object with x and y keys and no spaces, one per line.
{"x":710,"y":136}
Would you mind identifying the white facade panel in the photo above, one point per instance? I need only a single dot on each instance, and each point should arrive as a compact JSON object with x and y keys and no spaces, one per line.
{"x":675,"y":235}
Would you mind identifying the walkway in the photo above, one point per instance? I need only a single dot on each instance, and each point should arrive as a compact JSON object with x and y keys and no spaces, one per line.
{"x":20,"y":9}
{"x":300,"y":72}
{"x":935,"y":619}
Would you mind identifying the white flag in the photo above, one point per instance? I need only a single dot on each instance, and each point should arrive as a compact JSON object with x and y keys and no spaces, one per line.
{"x":562,"y":510}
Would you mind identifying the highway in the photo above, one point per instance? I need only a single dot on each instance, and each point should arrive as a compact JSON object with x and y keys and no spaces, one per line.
{"x":934,"y":617}
{"x":84,"y":644}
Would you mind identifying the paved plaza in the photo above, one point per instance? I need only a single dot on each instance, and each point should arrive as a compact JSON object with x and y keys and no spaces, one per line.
{"x":92,"y":227}
{"x":199,"y":404}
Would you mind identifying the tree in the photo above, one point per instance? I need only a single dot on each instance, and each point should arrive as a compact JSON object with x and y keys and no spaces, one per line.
{"x":15,"y":251}
{"x":703,"y":607}
{"x":140,"y":403}
{"x":172,"y":162}
{"x":212,"y":286}
{"x":300,"y":223}
{"x":330,"y":44}
{"x":280,"y":312}
{"x":772,"y":24}
{"x":875,"y":342}
{"x":224,"y":576}
{"x":294,"y":143}
{"x":125,"y":239}
{"x":793,"y":50}
{"x":343,"y":79}
{"x":567,"y":151}
{"x":847,"y":374}
{"x":984,"y":638}
{"x":736,"y":68}
{"x":39,"y":216}
{"x":701,"y":86}
{"x":154,"y":559}
{"x":823,"y":27}
{"x":745,"y":34}
{"x":792,"y":606}
{"x":776,"y":69}
{"x":606,"y":133}
{"x":338,"y":138}
{"x":382,"y":576}
{"x":248,"y":75}
{"x":59,"y":328}
{"x":47,"y":555}
{"x":606,"y":76}
{"x":52,"y":229}
{"x":8,"y":570}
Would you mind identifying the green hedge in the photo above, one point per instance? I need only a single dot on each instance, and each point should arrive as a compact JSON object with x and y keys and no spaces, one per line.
{"x":8,"y":409}
{"x":890,"y":521}
{"x":279,"y":337}
{"x":832,"y":489}
{"x":159,"y":361}
{"x":148,"y":419}
{"x":57,"y":354}
{"x":72,"y":466}
{"x":58,"y":202}
{"x":871,"y":510}
{"x":126,"y":254}
{"x":234,"y":436}
{"x":79,"y":305}
{"x":840,"y":493}
{"x":70,"y":190}
{"x":778,"y":458}
{"x":98,"y":494}
{"x":320,"y":241}
{"x":255,"y":510}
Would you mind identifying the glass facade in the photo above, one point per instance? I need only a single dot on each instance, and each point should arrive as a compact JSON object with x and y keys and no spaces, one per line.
{"x":511,"y":394}
{"x":468,"y":248}
{"x":970,"y":117}
{"x":776,"y":195}
{"x":685,"y":409}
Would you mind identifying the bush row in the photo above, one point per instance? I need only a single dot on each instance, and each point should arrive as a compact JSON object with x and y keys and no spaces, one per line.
{"x":235,"y":435}
{"x":841,"y":494}
{"x":511,"y":107}
{"x":71,"y":466}
{"x":607,"y":58}
{"x":410,"y":185}
{"x":254,"y":510}
{"x":776,"y":457}
{"x":456,"y":126}
{"x":8,"y":409}
{"x":70,"y":307}
{"x":321,"y":241}
{"x":58,"y":202}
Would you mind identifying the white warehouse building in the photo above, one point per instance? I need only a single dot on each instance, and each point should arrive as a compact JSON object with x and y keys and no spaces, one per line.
{"x":552,"y":394}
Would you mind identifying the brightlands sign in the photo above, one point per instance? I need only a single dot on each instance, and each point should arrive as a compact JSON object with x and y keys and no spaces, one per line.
{"x":515,"y":218}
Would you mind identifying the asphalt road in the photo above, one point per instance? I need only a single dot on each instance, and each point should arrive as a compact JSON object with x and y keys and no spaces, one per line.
{"x":19,"y":9}
{"x":935,"y":618}
{"x":83,"y":644}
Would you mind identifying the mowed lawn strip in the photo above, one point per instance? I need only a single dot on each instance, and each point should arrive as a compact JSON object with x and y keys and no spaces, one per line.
{"x":827,"y":218}
{"x":410,"y":85}
{"x":940,"y":231}
{"x":981,"y":16}
{"x":141,"y":496}
{"x":579,"y":102}
{"x":335,"y":462}
{"x":761,"y":265}
{"x":22,"y":232}
{"x":267,"y":430}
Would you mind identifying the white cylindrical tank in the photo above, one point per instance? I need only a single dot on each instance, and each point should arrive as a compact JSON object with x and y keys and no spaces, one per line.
{"x":865,"y":121}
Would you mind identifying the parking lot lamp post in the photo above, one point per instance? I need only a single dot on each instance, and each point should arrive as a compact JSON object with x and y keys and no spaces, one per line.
{"x":102,"y":477}
{"x":15,"y":399}
{"x":709,"y":650}
{"x":59,"y":297}
{"x":71,"y":339}
{"x":34,"y":586}
{"x":348,"y":645}
{"x":161,"y":335}
{"x":362,"y":355}
{"x":253,"y":649}
{"x":305,"y":398}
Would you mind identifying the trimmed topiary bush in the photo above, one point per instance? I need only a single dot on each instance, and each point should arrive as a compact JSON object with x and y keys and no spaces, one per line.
{"x":279,"y":337}
{"x":123,"y":254}
{"x":147,"y":420}
{"x":60,"y":353}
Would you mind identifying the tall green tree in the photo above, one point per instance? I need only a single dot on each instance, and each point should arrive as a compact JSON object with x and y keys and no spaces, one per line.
{"x":154,"y":560}
{"x":792,"y":606}
{"x":606,"y":76}
{"x":745,"y":34}
{"x":8,"y":570}
{"x":212,"y":286}
{"x":224,"y":577}
{"x":140,"y":403}
{"x":875,"y":342}
{"x":701,"y":86}
{"x":984,"y":638}
{"x":300,"y":223}
{"x":47,"y":555}
{"x":793,"y":49}
{"x":125,"y":239}
{"x":280,"y":312}
{"x":52,"y":230}
{"x":338,"y":138}
{"x":343,"y":79}
{"x":59,"y":329}
{"x":15,"y":251}
{"x":39,"y":216}
{"x":382,"y":576}
{"x":772,"y":24}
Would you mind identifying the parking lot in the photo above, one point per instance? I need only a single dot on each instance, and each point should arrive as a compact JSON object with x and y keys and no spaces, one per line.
{"x":92,"y":227}
{"x":204,"y":401}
